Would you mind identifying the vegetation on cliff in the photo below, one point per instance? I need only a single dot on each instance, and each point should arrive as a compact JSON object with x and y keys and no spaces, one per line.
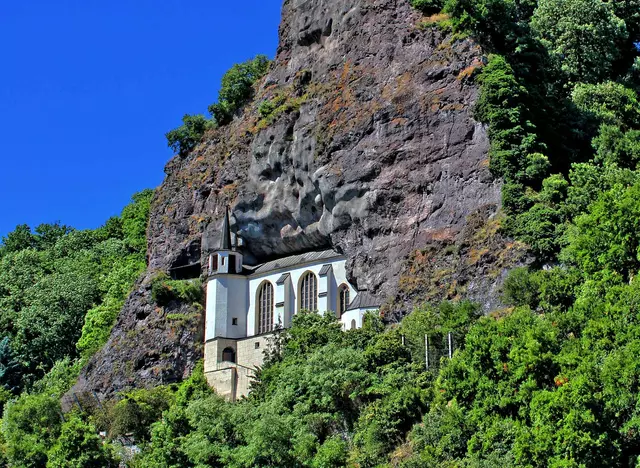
{"x":559,"y":94}
{"x":550,"y":380}
{"x":236,"y":90}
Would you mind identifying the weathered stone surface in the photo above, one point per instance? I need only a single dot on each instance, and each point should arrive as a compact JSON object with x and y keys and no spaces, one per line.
{"x":372,"y":150}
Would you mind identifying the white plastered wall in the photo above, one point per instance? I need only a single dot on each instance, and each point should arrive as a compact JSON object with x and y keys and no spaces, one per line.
{"x":226,"y":300}
{"x":335,"y":278}
{"x":356,"y":315}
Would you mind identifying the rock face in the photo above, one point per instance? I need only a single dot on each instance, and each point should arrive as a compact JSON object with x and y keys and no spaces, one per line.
{"x":368,"y":146}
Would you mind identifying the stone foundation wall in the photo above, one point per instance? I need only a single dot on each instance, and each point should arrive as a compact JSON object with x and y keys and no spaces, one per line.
{"x":232,"y":380}
{"x":248,"y":355}
{"x":224,"y":381}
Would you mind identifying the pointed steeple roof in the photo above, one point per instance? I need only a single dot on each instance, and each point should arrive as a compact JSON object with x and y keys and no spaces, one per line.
{"x":225,"y":241}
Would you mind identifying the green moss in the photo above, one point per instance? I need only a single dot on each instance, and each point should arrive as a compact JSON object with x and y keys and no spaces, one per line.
{"x":273,"y":108}
{"x":442,"y":21}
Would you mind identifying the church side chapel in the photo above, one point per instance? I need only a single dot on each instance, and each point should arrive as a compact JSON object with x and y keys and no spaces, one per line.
{"x":245,"y":304}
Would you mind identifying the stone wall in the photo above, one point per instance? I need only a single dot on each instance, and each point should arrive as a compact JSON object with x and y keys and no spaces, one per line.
{"x":232,"y":380}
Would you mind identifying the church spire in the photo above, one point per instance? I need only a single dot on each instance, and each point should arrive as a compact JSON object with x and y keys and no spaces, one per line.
{"x":225,"y":241}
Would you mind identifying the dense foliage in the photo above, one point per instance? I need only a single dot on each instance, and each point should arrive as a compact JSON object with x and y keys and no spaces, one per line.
{"x":325,"y":398}
{"x":559,"y":94}
{"x":60,"y":292}
{"x":164,"y":290}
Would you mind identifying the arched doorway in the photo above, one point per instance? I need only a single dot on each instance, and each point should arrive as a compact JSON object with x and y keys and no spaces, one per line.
{"x":229,"y":355}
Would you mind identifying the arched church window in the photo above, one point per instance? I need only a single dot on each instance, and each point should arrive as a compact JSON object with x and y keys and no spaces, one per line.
{"x":265,"y":308}
{"x":309,"y":292}
{"x":343,"y":299}
{"x":228,"y":355}
{"x":353,"y":324}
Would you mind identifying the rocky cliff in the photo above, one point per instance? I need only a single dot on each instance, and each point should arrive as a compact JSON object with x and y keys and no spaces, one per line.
{"x":367,"y":146}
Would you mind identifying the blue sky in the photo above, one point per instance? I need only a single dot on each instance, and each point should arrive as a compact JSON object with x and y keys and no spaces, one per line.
{"x":88,"y":89}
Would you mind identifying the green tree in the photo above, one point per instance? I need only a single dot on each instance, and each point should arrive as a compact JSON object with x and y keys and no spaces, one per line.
{"x":606,"y":237}
{"x":30,"y":427}
{"x":79,"y":446}
{"x":237,"y":88}
{"x":184,"y":139}
{"x":609,"y":102}
{"x":47,"y":330}
{"x":48,"y":234}
{"x":616,"y":147}
{"x":19,"y":239}
{"x":582,"y":35}
{"x":138,"y":409}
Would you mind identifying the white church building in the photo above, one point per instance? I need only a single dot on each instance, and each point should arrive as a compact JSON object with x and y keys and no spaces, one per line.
{"x":245,"y":304}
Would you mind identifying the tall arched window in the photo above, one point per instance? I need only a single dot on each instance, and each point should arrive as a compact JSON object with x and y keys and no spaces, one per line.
{"x":343,"y":299}
{"x":309,"y":292}
{"x":265,"y":308}
{"x":353,"y":324}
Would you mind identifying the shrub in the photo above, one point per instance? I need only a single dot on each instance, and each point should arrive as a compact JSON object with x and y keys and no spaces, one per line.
{"x":78,"y":447}
{"x":165,"y":290}
{"x":237,"y":88}
{"x":184,"y":139}
{"x":30,"y":427}
{"x":520,"y":288}
{"x":135,"y":413}
{"x":97,"y":327}
{"x":266,"y":108}
{"x":428,"y":6}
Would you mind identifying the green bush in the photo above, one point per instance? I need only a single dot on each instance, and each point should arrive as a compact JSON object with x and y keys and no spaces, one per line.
{"x":266,"y":108}
{"x":428,"y":6}
{"x":164,"y":290}
{"x":30,"y":427}
{"x":79,"y":446}
{"x":237,"y":88}
{"x":184,"y":139}
{"x":606,"y":238}
{"x":137,"y":411}
{"x":97,"y":327}
{"x":521,"y":288}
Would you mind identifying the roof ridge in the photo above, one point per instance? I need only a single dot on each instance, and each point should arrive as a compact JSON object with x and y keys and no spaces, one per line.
{"x":291,"y":260}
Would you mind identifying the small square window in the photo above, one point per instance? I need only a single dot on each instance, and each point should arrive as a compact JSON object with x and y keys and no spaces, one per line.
{"x":234,"y":321}
{"x":257,"y":344}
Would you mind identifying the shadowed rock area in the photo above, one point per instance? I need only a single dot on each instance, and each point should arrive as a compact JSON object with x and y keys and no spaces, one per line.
{"x":371,"y":149}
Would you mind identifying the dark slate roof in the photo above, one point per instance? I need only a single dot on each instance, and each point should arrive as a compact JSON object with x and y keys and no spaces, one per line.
{"x":225,"y":240}
{"x":364,"y":300}
{"x":324,"y":271}
{"x":283,"y":278}
{"x":295,"y":260}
